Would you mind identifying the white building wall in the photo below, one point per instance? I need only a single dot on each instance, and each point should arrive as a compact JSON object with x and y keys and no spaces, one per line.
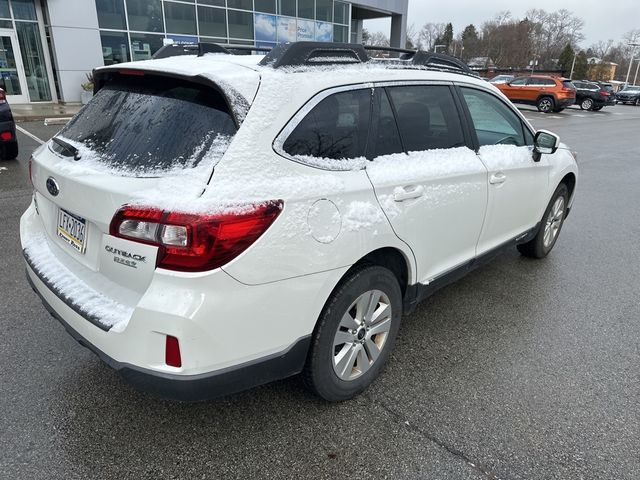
{"x":76,"y":43}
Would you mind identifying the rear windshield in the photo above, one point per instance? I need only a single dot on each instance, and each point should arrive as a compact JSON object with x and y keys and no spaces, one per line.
{"x":150,"y":124}
{"x":568,"y":84}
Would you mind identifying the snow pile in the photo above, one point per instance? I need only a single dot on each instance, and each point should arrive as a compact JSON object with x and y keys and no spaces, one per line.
{"x":506,"y":156}
{"x":361,"y":215}
{"x":90,"y":302}
{"x":342,"y":164}
{"x":401,"y":169}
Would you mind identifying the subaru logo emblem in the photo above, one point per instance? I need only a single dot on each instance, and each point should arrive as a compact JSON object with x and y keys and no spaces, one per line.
{"x":52,"y":186}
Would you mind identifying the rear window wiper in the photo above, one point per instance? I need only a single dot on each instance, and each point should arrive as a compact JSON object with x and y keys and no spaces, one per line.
{"x":66,"y":149}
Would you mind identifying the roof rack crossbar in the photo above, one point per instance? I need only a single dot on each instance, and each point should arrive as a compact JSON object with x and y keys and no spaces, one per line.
{"x":314,"y":53}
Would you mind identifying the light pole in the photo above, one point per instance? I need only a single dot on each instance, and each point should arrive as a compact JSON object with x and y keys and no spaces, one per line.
{"x":573,"y":64}
{"x":631,"y":62}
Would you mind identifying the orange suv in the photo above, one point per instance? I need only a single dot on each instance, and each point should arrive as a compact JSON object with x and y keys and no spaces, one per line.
{"x":549,"y":94}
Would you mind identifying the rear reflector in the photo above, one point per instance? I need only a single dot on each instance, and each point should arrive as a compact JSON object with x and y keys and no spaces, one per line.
{"x":190,"y":242}
{"x":124,"y":71}
{"x":6,"y":135}
{"x":172,"y":352}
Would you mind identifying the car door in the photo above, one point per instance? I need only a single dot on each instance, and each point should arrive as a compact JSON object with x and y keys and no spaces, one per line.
{"x":516,"y":89}
{"x":517,"y":183}
{"x":430,"y":184}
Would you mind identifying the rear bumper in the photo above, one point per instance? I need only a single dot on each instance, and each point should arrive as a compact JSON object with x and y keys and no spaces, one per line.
{"x":204,"y":386}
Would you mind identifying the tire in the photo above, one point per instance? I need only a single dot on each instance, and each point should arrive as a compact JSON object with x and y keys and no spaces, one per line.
{"x":586,"y":104}
{"x":545,"y":104}
{"x":328,"y":371}
{"x":550,"y":226}
{"x":558,"y":110}
{"x":637,"y":102}
{"x":597,"y":109}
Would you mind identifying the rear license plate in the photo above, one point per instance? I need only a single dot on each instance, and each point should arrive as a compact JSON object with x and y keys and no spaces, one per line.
{"x":72,"y":229}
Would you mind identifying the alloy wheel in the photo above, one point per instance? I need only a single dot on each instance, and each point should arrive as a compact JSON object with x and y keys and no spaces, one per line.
{"x":553,"y":222}
{"x":545,"y":105}
{"x":361,"y":335}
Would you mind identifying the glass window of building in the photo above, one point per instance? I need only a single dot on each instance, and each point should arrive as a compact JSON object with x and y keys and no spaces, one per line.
{"x":24,"y":10}
{"x":240,"y":24}
{"x":145,"y":15}
{"x":266,"y":6}
{"x":340,"y":34}
{"x":241,"y":4}
{"x":4,"y":9}
{"x":33,"y":61}
{"x":287,"y":7}
{"x":212,"y":21}
{"x":305,"y":9}
{"x":143,"y":46}
{"x":180,"y":18}
{"x":340,"y":13}
{"x":324,"y":10}
{"x":9,"y":80}
{"x":111,"y":14}
{"x":215,"y":3}
{"x":115,"y":47}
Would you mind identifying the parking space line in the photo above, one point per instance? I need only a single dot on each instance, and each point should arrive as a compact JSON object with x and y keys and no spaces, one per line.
{"x":29,"y":134}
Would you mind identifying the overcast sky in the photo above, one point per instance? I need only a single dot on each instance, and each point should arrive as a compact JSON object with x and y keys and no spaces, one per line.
{"x":603,"y":20}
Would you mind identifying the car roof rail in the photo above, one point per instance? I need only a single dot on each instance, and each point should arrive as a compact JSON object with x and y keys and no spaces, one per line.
{"x":179,"y":49}
{"x":314,"y":53}
{"x":431,"y":60}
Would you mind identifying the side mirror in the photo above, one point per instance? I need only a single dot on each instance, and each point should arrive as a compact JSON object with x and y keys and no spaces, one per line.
{"x":545,"y":142}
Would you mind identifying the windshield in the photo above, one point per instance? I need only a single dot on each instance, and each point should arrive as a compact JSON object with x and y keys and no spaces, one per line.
{"x":150,"y":124}
{"x":632,"y":89}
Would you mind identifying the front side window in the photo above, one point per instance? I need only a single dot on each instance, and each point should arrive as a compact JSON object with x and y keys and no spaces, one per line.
{"x":519,"y":81}
{"x":336,"y":128}
{"x":493,"y":121}
{"x":427,"y":117}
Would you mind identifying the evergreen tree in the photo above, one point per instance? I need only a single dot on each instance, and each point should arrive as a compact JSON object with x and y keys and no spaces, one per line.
{"x":581,"y":67}
{"x":566,"y":59}
{"x":447,"y":37}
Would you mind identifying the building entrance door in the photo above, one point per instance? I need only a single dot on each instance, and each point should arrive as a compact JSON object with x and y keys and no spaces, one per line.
{"x":12,"y":79}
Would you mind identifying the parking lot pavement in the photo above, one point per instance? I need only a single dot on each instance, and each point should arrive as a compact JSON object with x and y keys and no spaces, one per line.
{"x":522,"y":370}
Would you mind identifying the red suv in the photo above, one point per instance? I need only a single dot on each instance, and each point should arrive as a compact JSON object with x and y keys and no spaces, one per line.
{"x":549,"y":94}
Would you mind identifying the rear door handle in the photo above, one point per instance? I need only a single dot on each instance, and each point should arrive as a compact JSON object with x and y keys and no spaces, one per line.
{"x":497,"y":178}
{"x":400,"y":194}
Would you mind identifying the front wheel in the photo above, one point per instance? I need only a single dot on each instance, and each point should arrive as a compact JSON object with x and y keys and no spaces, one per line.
{"x":545,"y":105}
{"x":552,"y":221}
{"x":355,"y":334}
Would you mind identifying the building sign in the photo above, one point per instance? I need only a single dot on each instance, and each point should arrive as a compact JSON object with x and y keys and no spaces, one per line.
{"x":265,"y":27}
{"x":324,"y":32}
{"x":286,"y":29}
{"x":306,"y":30}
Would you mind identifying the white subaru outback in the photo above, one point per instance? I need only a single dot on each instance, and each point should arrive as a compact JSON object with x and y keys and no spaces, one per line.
{"x":211,"y":222}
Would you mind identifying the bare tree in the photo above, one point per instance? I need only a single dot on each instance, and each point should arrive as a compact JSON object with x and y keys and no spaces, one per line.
{"x":429,"y":33}
{"x":378,"y":39}
{"x":553,"y":30}
{"x":601,"y":49}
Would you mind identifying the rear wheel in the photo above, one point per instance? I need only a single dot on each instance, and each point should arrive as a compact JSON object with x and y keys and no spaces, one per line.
{"x":550,"y":226}
{"x":355,"y":334}
{"x":586,"y":104}
{"x":545,"y":104}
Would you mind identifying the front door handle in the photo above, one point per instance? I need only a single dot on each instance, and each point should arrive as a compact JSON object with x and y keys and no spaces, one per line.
{"x":400,"y":194}
{"x":497,"y":178}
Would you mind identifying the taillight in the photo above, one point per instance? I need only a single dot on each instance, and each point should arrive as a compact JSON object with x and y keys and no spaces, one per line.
{"x":3,"y":96}
{"x":190,"y":242}
{"x":31,"y":170}
{"x":6,"y":135}
{"x":604,"y":94}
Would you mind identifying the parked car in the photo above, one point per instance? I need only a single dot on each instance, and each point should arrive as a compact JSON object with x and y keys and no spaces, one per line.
{"x":281,"y":213}
{"x":608,"y":88}
{"x":501,"y":79}
{"x":591,"y":96}
{"x":8,"y":140}
{"x":630,"y":94}
{"x":548,"y":94}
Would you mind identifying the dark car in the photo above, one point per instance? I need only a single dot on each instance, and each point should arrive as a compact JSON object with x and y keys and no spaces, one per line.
{"x":8,"y":141}
{"x":630,"y":94}
{"x":591,"y":96}
{"x":608,"y":88}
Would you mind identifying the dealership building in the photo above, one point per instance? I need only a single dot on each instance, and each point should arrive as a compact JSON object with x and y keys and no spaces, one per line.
{"x":47,"y":47}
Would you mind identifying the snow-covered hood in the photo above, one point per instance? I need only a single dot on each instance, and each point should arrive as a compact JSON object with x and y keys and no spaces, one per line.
{"x":238,"y":80}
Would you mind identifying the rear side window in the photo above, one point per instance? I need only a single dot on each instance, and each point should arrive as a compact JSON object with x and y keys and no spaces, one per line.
{"x":494,"y":122}
{"x":150,"y":124}
{"x":387,"y":140}
{"x":427,"y":117}
{"x":336,"y":128}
